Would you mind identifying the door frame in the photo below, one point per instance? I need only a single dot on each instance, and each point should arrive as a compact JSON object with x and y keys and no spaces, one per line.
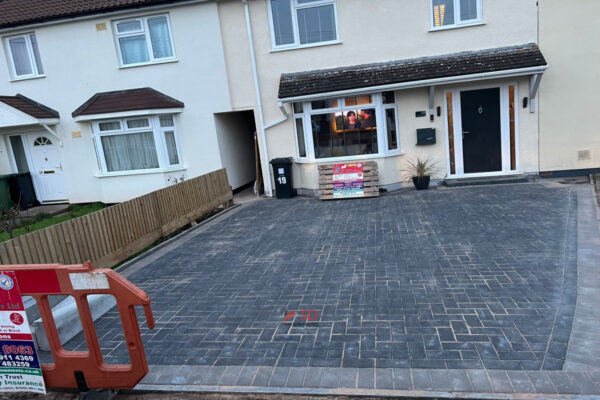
{"x":504,"y":131}
{"x":13,"y":161}
{"x":30,"y":164}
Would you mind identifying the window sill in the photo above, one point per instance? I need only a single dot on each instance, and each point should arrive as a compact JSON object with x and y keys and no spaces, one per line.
{"x":148,"y":63}
{"x":445,"y":28}
{"x":26,"y":78}
{"x":139,"y":172}
{"x":306,"y":46}
{"x":330,"y":160}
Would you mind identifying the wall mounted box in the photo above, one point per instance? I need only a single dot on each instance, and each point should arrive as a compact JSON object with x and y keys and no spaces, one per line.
{"x":425,"y":136}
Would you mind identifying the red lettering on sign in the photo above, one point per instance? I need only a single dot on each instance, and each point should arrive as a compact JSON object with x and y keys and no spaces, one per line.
{"x":16,"y":319}
{"x":14,"y":349}
{"x":10,"y":297}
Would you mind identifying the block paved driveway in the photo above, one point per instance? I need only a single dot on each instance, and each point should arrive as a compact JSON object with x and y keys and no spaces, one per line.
{"x":479,"y":277}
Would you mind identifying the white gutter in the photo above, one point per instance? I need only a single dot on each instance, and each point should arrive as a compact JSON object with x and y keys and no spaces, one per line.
{"x":66,"y":20}
{"x":422,"y":83}
{"x":123,"y":114}
{"x":262,"y":127}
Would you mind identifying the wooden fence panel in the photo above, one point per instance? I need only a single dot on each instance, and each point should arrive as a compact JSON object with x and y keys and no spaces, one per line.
{"x":111,"y":235}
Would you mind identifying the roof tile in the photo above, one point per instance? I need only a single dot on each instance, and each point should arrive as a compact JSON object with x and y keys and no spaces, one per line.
{"x":410,"y":70}
{"x":22,"y":12}
{"x":29,"y":107}
{"x":127,"y":100}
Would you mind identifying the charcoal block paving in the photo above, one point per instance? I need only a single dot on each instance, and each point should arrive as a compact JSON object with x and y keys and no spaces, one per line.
{"x":460,"y":278}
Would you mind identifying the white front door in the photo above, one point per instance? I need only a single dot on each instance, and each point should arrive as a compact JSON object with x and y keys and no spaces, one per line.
{"x":46,"y":167}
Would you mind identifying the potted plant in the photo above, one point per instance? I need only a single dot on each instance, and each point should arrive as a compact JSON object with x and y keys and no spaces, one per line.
{"x":420,"y":172}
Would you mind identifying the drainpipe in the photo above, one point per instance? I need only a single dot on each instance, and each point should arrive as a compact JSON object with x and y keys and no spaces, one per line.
{"x":265,"y":163}
{"x":279,"y":121}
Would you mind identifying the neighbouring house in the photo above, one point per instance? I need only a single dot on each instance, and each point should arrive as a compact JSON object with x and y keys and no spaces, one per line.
{"x":569,"y":136}
{"x":105,"y":101}
{"x":453,"y":80}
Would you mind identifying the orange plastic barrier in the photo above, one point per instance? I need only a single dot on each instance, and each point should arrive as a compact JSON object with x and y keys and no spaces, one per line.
{"x":86,"y":369}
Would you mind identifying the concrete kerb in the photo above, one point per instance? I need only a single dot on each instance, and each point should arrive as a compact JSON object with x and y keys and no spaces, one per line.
{"x":67,"y":321}
{"x":65,"y":312}
{"x":380,"y":393}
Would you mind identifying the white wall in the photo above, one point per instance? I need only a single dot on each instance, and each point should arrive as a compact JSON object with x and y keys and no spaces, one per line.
{"x":569,"y":89}
{"x":235,"y":132}
{"x":80,"y":61}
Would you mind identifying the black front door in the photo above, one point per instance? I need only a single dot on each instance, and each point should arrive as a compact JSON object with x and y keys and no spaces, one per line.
{"x":481,"y":134}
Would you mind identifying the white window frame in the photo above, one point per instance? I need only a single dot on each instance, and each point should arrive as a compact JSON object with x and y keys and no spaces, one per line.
{"x":295,"y":6}
{"x":381,"y":124}
{"x":159,"y":142}
{"x":146,"y":31}
{"x":31,"y":53}
{"x":391,"y":106}
{"x":303,"y":133}
{"x":457,"y":21}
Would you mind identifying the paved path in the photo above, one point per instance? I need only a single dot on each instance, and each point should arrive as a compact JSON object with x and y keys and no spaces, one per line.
{"x":467,"y":289}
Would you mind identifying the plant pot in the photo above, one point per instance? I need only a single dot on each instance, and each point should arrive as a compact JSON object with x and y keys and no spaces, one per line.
{"x":421,"y":182}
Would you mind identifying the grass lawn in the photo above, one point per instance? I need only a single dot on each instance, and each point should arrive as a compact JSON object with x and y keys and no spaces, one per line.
{"x":43,"y":220}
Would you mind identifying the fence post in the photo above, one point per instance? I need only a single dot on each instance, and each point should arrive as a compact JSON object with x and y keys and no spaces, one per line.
{"x":159,"y":212}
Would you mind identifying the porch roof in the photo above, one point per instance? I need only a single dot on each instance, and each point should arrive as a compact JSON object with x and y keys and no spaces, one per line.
{"x":123,"y":101}
{"x":19,"y":110}
{"x":29,"y":107}
{"x":524,"y":59}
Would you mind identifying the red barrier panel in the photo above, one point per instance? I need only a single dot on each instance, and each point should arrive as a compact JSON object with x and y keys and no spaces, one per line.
{"x":81,"y":369}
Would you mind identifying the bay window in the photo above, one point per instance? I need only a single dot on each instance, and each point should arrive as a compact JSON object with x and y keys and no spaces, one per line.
{"x":144,"y":40}
{"x":348,"y":127}
{"x":296,"y":23}
{"x":454,"y":13}
{"x":137,"y":143}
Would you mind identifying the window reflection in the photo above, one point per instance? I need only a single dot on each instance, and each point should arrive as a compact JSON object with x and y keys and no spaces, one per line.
{"x":346,"y":133}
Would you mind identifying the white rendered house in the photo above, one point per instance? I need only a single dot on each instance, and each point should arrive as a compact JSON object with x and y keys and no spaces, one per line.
{"x":454,"y":80}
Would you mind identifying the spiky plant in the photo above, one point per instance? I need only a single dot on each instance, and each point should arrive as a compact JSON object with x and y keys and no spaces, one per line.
{"x":419,"y":168}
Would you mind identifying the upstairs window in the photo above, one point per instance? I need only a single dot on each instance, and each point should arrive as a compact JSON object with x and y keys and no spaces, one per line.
{"x":453,"y":13}
{"x":24,"y":56}
{"x":296,"y":23}
{"x":144,"y":40}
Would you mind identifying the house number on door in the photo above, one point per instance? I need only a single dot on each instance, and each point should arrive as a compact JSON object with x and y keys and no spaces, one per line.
{"x":282,"y":180}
